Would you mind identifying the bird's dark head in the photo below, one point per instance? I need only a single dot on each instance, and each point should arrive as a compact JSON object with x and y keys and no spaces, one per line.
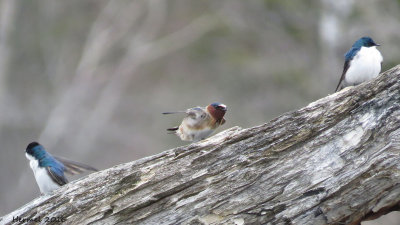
{"x":36,"y":150}
{"x":217,"y":110}
{"x":365,"y":42}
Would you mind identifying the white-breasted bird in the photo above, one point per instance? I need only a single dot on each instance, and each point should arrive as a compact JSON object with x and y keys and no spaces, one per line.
{"x":362,"y":62}
{"x":49,"y":170}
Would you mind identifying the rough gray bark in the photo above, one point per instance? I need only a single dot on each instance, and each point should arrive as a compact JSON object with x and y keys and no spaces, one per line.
{"x":335,"y":161}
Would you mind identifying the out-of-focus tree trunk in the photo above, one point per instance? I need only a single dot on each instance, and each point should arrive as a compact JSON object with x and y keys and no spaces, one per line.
{"x":335,"y":161}
{"x":7,"y":26}
{"x":145,"y":45}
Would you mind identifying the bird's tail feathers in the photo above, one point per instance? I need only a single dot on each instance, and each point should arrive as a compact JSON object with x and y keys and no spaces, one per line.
{"x":172,"y":130}
{"x":73,"y":168}
{"x":338,"y":87}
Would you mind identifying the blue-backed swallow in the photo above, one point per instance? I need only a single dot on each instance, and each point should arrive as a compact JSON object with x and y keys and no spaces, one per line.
{"x":362,"y":62}
{"x":49,"y":170}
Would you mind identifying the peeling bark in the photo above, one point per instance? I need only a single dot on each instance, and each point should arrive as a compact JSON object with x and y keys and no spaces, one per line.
{"x":332,"y":162}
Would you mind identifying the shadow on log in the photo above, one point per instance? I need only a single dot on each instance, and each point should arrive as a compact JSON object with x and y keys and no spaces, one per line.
{"x":335,"y":161}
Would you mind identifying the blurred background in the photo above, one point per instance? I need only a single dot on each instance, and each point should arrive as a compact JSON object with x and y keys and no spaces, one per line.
{"x":89,"y":79}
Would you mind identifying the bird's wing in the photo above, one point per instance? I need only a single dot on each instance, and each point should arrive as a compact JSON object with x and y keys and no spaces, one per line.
{"x":195,"y":110}
{"x":345,"y":68}
{"x":199,"y":121}
{"x":188,"y":112}
{"x":172,"y":130}
{"x":192,"y":112}
{"x":166,"y":113}
{"x":56,"y":175}
{"x":73,"y":168}
{"x":348,"y":57}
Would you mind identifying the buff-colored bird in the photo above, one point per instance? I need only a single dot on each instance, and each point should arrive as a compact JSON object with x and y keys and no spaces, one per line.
{"x":199,"y":122}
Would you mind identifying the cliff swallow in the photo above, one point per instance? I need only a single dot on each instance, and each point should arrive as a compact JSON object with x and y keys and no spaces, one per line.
{"x":199,"y":122}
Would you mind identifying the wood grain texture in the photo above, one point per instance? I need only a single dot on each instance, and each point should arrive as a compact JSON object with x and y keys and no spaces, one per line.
{"x":335,"y":161}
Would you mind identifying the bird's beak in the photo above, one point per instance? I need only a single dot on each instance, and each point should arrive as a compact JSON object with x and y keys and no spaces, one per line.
{"x":377,"y":45}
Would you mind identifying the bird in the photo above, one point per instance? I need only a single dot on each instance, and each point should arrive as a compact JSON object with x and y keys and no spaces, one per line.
{"x":362,"y":62}
{"x":199,"y":122}
{"x":49,"y":170}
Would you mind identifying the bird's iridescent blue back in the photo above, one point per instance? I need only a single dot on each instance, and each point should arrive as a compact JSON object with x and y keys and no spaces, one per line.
{"x":47,"y":160}
{"x":351,"y":53}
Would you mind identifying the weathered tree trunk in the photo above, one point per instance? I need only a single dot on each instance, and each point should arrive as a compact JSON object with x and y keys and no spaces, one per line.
{"x":335,"y":161}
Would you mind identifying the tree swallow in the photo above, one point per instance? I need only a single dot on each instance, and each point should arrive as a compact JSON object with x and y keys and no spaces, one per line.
{"x":362,"y":62}
{"x":49,"y":170}
{"x":199,"y":122}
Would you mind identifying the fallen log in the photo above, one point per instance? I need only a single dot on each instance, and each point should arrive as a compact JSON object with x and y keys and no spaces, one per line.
{"x":335,"y":161}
